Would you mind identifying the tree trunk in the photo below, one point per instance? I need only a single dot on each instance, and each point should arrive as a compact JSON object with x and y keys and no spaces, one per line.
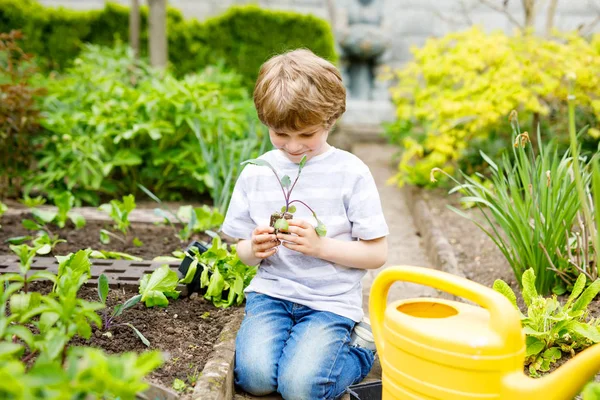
{"x":529,"y":9}
{"x":157,"y":43}
{"x":134,"y":27}
{"x":550,"y":17}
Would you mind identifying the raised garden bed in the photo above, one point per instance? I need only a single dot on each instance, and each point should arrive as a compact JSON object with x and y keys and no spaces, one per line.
{"x":185,"y":331}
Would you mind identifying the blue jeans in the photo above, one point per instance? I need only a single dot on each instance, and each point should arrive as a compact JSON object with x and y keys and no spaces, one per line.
{"x":297,"y":351}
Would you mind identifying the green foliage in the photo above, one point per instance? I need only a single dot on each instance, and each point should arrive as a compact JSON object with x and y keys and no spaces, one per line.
{"x":530,"y":212}
{"x":224,"y":275}
{"x":19,"y":114}
{"x":286,"y":183}
{"x":40,"y":365}
{"x":591,"y":391}
{"x":156,"y":287}
{"x":551,"y":328}
{"x":119,"y":212}
{"x":243,"y":37}
{"x":112,"y":123}
{"x":457,"y":90}
{"x":3,"y":209}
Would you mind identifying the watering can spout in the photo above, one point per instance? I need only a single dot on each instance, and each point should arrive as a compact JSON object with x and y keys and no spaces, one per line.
{"x":564,"y":383}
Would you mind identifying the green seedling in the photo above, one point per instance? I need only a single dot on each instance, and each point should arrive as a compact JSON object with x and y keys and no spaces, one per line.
{"x":189,"y":219}
{"x":109,"y":320}
{"x":156,"y":287}
{"x":26,"y":254}
{"x":119,"y":212}
{"x":279,"y":218}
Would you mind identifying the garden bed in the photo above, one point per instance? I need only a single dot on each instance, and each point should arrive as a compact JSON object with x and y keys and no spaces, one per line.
{"x":477,"y":256}
{"x":186,"y":330}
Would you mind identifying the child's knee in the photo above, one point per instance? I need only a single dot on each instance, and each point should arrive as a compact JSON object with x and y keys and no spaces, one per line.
{"x":254,"y":377}
{"x":304,"y":382}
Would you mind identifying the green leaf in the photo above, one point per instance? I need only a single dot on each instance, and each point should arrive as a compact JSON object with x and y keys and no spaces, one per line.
{"x":577,"y":289}
{"x":587,"y":296}
{"x":78,"y":220}
{"x":47,"y":321}
{"x":22,"y":333}
{"x":292,"y":209}
{"x":7,"y":349}
{"x":216,"y":285}
{"x":302,"y":164}
{"x":179,"y":385}
{"x":42,"y":275}
{"x":191,"y":272}
{"x":154,"y":287}
{"x":321,"y":229}
{"x":45,"y":249}
{"x":528,"y":282}
{"x":502,"y":287}
{"x":45,"y":216}
{"x":533,"y":346}
{"x":104,"y":237}
{"x":286,"y":182}
{"x":281,"y":224}
{"x":259,"y":162}
{"x":31,"y":225}
{"x":102,"y":288}
{"x":139,"y":334}
{"x":18,"y":240}
{"x":589,"y":332}
{"x":19,"y":303}
{"x":137,"y":242}
{"x":488,"y":160}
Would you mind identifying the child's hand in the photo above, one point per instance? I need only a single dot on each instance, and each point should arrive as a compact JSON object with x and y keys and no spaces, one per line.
{"x":306,"y":242}
{"x":264,"y":242}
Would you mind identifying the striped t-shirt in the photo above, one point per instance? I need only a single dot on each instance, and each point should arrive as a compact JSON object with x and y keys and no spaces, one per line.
{"x":339,"y":187}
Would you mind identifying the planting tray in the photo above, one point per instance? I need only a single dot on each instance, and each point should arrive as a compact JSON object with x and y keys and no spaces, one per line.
{"x":365,"y":391}
{"x":119,"y":272}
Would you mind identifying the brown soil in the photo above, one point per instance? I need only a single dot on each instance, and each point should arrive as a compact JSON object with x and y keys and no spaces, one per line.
{"x":477,"y":256}
{"x":185,"y":331}
{"x":157,"y":240}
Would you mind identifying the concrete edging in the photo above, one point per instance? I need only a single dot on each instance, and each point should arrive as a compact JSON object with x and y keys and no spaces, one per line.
{"x":216,"y":380}
{"x":437,"y":247}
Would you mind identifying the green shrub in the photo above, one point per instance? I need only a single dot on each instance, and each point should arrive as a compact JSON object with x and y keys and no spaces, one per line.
{"x":112,"y":122}
{"x":459,"y":88}
{"x":243,"y":37}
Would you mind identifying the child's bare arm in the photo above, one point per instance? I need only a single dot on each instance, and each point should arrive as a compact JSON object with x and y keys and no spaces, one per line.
{"x":362,"y":254}
{"x":262,"y":245}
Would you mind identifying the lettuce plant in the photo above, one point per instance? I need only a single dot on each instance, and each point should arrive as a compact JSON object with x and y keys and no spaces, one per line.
{"x":156,"y":287}
{"x":278,"y":219}
{"x":551,"y":328}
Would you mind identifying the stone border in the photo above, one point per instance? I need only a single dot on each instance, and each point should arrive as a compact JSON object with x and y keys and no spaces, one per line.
{"x":216,"y":380}
{"x":437,"y":247}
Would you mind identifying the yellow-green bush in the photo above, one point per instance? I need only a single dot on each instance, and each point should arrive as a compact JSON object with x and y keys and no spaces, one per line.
{"x":460,"y":88}
{"x":243,"y":37}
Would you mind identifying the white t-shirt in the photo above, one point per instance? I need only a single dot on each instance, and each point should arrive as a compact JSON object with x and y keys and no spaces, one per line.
{"x":339,"y":187}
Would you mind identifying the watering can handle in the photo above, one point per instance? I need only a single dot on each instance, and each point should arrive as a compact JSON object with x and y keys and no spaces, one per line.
{"x":504,"y":318}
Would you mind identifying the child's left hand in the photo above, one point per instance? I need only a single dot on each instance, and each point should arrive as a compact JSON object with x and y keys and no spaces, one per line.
{"x":306,"y":242}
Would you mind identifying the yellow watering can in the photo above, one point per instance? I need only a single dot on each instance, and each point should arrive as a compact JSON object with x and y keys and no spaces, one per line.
{"x":446,"y":350}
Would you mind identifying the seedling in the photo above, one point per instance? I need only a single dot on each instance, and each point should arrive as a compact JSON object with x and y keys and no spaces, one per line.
{"x":109,"y":320}
{"x":26,"y":254}
{"x":279,"y":218}
{"x":119,"y":212}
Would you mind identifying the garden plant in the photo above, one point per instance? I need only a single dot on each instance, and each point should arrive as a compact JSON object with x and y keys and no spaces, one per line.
{"x":279,"y":218}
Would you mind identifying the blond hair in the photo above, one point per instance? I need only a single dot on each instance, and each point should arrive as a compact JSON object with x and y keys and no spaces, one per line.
{"x":297,"y":90}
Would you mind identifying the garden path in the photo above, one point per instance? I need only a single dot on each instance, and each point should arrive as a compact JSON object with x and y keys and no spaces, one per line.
{"x":404,"y":243}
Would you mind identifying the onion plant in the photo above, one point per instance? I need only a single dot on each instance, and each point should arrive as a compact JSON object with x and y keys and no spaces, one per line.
{"x":532,"y":212}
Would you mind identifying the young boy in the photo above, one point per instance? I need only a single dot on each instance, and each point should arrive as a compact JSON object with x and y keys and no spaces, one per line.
{"x":306,"y":298}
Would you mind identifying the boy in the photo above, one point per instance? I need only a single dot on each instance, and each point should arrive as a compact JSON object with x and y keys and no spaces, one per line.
{"x":306,"y":298}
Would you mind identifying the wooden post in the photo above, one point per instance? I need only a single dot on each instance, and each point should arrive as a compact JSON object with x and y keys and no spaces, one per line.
{"x":134,"y":27}
{"x":157,"y":43}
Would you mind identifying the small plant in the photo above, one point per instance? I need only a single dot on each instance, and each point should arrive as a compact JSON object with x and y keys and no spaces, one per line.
{"x":279,"y":218}
{"x":119,"y":212}
{"x":109,"y":320}
{"x":156,"y":287}
{"x":26,"y":255}
{"x":32,"y":202}
{"x":552,"y":329}
{"x":224,"y":276}
{"x":191,"y":219}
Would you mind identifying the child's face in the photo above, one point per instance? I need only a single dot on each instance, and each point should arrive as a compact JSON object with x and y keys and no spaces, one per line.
{"x":310,"y":142}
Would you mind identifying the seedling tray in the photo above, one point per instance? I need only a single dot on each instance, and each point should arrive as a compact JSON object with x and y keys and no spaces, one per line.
{"x":365,"y":391}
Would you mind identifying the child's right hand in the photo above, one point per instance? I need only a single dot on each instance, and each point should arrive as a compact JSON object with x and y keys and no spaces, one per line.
{"x":264,"y":242}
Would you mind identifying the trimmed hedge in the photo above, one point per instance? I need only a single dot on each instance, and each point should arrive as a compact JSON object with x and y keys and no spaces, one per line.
{"x":243,"y":37}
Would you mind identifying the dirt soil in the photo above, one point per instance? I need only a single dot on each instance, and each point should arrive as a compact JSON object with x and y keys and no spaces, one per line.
{"x":157,"y":240}
{"x":477,"y":256}
{"x":185,"y":330}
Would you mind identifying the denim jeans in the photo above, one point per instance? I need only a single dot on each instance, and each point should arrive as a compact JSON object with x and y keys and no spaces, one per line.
{"x":297,"y":351}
